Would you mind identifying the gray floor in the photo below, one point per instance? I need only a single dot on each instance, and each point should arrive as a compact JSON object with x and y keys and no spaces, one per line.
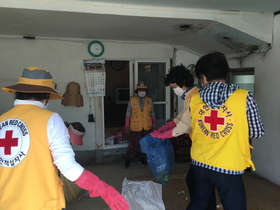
{"x":114,"y":174}
{"x":261,"y":194}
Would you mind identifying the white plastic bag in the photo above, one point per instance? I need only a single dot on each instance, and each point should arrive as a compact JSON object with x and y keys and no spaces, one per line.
{"x":143,"y":195}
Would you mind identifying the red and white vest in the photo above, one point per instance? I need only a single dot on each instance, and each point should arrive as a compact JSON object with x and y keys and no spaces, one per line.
{"x":28,"y":178}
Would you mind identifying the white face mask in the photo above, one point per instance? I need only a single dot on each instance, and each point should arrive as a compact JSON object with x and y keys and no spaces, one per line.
{"x":178,"y":91}
{"x":141,"y":94}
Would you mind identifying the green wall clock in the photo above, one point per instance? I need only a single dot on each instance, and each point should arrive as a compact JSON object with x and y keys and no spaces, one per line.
{"x":95,"y":48}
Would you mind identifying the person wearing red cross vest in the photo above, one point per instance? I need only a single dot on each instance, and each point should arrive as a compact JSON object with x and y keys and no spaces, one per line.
{"x":223,"y":119}
{"x":34,"y":145}
{"x":140,"y":120}
{"x":180,"y":79}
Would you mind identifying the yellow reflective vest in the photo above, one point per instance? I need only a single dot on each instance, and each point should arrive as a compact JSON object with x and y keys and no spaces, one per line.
{"x":139,"y":119}
{"x":28,"y":178}
{"x":220,"y":137}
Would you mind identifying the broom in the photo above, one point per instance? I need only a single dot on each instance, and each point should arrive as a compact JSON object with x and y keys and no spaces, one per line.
{"x":72,"y":192}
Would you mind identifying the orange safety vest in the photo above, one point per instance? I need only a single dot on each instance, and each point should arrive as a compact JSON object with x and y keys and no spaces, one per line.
{"x":28,"y":177}
{"x":220,"y":137}
{"x":139,"y":119}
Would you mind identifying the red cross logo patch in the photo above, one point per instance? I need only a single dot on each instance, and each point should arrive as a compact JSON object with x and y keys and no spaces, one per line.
{"x":214,"y":120}
{"x":8,"y":142}
{"x":215,"y":123}
{"x":14,"y":142}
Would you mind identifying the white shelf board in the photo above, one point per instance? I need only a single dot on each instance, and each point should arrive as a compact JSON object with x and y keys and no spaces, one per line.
{"x":113,"y":146}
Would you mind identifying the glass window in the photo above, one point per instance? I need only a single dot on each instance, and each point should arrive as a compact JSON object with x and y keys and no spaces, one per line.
{"x":153,"y":75}
{"x":244,"y":78}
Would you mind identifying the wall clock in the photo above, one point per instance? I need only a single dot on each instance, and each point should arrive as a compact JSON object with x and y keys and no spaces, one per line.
{"x":117,"y":65}
{"x":96,"y":48}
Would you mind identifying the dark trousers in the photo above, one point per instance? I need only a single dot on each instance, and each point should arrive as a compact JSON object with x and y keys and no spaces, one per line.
{"x":134,"y":144}
{"x":190,"y":180}
{"x":230,"y":189}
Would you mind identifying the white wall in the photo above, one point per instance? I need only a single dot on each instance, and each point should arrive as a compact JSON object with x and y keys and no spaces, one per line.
{"x":266,"y":153}
{"x":63,"y":58}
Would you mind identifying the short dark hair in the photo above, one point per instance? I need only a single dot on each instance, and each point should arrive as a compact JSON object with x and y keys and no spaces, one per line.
{"x":213,"y":66}
{"x":35,"y":96}
{"x":179,"y":75}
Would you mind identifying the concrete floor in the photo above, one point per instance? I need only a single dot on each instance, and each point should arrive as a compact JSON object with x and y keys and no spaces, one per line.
{"x":261,"y":194}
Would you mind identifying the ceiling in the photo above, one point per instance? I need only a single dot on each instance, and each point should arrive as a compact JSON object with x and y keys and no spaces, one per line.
{"x":233,"y":27}
{"x":267,"y":6}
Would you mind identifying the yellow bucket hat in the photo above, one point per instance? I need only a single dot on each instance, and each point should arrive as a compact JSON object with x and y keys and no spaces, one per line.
{"x":34,"y":80}
{"x":141,"y":86}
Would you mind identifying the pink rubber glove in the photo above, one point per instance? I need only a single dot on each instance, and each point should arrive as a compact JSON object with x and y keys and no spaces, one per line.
{"x":154,"y":120}
{"x":167,"y":126}
{"x":126,"y":126}
{"x":97,"y":187}
{"x":163,"y":135}
{"x":154,"y":133}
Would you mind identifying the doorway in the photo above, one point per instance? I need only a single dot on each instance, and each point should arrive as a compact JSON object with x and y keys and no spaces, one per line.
{"x":116,"y":96}
{"x":153,"y":74}
{"x":244,"y":78}
{"x":121,"y":80}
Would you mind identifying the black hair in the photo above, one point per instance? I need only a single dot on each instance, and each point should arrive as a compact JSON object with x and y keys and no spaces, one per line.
{"x":35,"y":96}
{"x":213,"y":66}
{"x":179,"y":75}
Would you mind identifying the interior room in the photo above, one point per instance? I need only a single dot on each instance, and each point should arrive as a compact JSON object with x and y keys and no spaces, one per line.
{"x":116,"y":99}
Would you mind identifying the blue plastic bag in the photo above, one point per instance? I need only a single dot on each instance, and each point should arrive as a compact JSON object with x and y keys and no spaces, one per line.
{"x":160,"y":156}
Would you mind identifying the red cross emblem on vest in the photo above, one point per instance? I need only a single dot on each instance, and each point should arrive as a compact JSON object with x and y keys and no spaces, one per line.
{"x":8,"y":142}
{"x":214,"y":120}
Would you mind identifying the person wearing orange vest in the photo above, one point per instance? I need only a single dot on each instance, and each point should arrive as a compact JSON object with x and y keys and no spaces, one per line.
{"x":34,"y":145}
{"x":223,"y":120}
{"x":180,"y":79}
{"x":140,"y":119}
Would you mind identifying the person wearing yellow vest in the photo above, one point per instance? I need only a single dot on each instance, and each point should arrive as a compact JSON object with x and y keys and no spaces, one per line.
{"x":223,"y":119}
{"x":180,"y":79}
{"x":140,"y":120}
{"x":34,"y":145}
